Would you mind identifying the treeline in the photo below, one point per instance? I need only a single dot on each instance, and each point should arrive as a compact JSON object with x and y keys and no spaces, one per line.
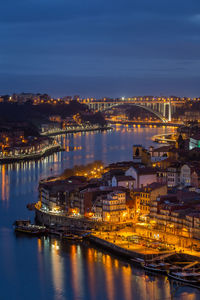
{"x":27,"y":111}
{"x":133,"y":112}
{"x":96,"y":118}
{"x":37,"y":114}
{"x":81,"y":170}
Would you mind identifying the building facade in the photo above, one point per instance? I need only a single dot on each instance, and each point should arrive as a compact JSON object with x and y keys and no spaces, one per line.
{"x":114,"y":207}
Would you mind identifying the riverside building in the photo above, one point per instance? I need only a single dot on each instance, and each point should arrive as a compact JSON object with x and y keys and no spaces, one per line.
{"x":177,"y":218}
{"x":114,"y":207}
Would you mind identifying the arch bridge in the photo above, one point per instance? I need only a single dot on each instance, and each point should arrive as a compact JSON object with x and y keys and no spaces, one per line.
{"x":158,"y":109}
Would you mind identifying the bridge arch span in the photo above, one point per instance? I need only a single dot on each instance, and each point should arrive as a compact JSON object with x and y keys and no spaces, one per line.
{"x":161,"y":117}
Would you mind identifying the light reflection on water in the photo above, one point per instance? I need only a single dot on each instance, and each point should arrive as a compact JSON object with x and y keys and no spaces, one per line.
{"x":61,"y":270}
{"x":82,"y":272}
{"x":81,"y":148}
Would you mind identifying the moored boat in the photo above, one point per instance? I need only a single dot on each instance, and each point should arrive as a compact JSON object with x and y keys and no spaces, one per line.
{"x":25,"y":226}
{"x":54,"y":231}
{"x":138,"y":261}
{"x":73,"y":237}
{"x":161,"y":268}
{"x":31,"y":206}
{"x":188,"y":278}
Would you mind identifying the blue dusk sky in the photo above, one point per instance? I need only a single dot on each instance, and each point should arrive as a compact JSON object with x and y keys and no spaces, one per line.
{"x":100,"y":47}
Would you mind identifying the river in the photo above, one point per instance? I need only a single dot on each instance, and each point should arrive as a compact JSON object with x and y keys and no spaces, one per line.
{"x":47,"y":268}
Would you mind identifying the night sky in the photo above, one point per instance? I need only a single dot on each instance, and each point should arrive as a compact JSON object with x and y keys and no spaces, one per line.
{"x":100,"y":47}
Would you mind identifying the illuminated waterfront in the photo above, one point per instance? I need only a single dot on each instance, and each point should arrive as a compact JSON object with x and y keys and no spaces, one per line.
{"x":52,"y":269}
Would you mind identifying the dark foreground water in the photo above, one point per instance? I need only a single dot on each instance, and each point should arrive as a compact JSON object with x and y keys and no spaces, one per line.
{"x":48,"y":268}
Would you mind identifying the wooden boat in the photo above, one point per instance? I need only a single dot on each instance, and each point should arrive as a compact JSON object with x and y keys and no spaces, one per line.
{"x":138,"y":261}
{"x":31,"y":206}
{"x":73,"y":237}
{"x":25,"y":226}
{"x":55,"y":231}
{"x":188,"y":278}
{"x":161,"y":268}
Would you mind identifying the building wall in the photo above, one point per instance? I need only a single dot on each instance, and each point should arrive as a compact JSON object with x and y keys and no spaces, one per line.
{"x":141,"y":180}
{"x":195,"y":180}
{"x":185,"y":176}
{"x":113,"y":208}
{"x":126,"y":184}
{"x":144,"y":203}
{"x":173,"y":177}
{"x":161,"y":191}
{"x":144,"y":180}
{"x":132,"y":172}
{"x":148,"y":196}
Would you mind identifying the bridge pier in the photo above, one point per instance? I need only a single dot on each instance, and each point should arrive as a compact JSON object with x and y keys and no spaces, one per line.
{"x":164,"y":110}
{"x":170,"y":113}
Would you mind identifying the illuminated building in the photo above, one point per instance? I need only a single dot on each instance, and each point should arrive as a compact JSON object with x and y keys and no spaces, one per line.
{"x":142,"y":175}
{"x":191,"y":116}
{"x":173,"y":175}
{"x":114,"y":207}
{"x":161,"y":153}
{"x":124,"y":181}
{"x":177,"y":217}
{"x":60,"y":195}
{"x":149,"y":194}
{"x":185,"y":175}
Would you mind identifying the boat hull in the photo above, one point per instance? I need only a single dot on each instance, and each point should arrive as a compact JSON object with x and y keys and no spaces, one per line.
{"x":20,"y":230}
{"x":153,"y":270}
{"x":185,"y":281}
{"x":72,"y":238}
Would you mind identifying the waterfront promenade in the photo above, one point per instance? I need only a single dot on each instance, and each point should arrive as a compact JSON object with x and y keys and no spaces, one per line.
{"x":130,"y":241}
{"x":30,"y":156}
{"x":144,"y":123}
{"x":118,"y":243}
{"x":57,"y":131}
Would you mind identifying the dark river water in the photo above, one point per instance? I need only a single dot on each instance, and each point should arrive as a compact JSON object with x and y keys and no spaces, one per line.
{"x":47,"y":268}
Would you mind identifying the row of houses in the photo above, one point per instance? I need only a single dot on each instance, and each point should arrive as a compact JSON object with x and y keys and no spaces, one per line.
{"x":177,"y":213}
{"x":26,"y":147}
{"x":168,"y":197}
{"x":113,"y":198}
{"x":139,"y":175}
{"x":187,"y":174}
{"x":75,"y":196}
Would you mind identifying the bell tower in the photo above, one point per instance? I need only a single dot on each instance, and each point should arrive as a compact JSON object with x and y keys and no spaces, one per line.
{"x":137,"y":153}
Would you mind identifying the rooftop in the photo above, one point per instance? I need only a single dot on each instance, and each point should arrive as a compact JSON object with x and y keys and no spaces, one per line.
{"x":124,"y":178}
{"x":66,"y":185}
{"x":146,"y":171}
{"x":156,"y":185}
{"x":162,"y":149}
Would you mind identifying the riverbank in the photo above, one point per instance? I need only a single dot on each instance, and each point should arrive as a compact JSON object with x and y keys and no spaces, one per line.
{"x":127,"y":252}
{"x":81,"y":223}
{"x":25,"y":157}
{"x":144,"y":123}
{"x":76,"y":130}
{"x":118,"y":250}
{"x":118,"y":238}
